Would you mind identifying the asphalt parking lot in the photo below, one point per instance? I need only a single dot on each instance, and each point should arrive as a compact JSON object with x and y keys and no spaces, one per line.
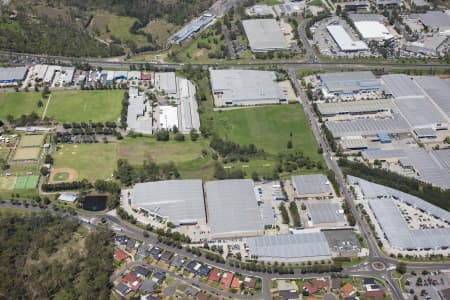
{"x":427,"y":285}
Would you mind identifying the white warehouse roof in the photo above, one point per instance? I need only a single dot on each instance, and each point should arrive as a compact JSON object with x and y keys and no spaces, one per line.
{"x":264,"y":35}
{"x":419,"y":112}
{"x":241,"y":86}
{"x":233,"y":209}
{"x":313,"y":184}
{"x":306,"y":244}
{"x":179,"y":201}
{"x":344,"y":40}
{"x":373,"y":30}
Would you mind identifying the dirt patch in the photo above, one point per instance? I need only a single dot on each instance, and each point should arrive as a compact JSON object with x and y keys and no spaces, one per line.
{"x":199,"y":53}
{"x":73,"y":175}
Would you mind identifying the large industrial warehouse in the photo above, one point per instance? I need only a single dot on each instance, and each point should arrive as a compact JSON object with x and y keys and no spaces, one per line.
{"x":312,"y":186}
{"x":356,"y":108}
{"x":301,"y":246}
{"x":344,"y":40}
{"x":264,"y":35}
{"x":382,"y":201}
{"x":233,"y":209}
{"x":437,"y":89}
{"x":370,"y":27}
{"x":419,"y":112}
{"x":12,"y":75}
{"x":178,"y":201}
{"x":245,"y":87}
{"x":137,"y":118}
{"x":400,"y":86}
{"x":348,"y":83}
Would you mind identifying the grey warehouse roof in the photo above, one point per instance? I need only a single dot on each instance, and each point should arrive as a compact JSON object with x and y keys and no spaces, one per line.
{"x":13,"y":74}
{"x":398,"y":233}
{"x":419,"y":112}
{"x":166,"y":81}
{"x":438,"y":89}
{"x":392,"y":222}
{"x":290,"y":246}
{"x":365,"y":17}
{"x":396,"y":124}
{"x":264,"y":35}
{"x":246,"y":85}
{"x":325,"y":212}
{"x":432,"y":167}
{"x":374,"y":191}
{"x":180,"y":201}
{"x":435,"y":19}
{"x":400,"y":85}
{"x":363,"y":106}
{"x":311,"y":184}
{"x":349,"y":82}
{"x":232,"y":208}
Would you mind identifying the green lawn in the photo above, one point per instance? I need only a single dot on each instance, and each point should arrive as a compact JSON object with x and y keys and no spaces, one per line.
{"x":91,"y":161}
{"x":117,"y":27}
{"x":85,"y":106}
{"x":315,"y":3}
{"x":269,"y":128}
{"x":19,"y":103}
{"x":186,"y":155}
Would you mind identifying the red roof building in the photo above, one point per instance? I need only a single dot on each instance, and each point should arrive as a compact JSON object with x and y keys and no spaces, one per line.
{"x":132,"y":281}
{"x":214,"y":275}
{"x":236,"y":283}
{"x":347,"y":290}
{"x":250,"y":282}
{"x":309,"y":288}
{"x":320,"y":283}
{"x":226,"y":280}
{"x":378,"y":294}
{"x":120,"y":255}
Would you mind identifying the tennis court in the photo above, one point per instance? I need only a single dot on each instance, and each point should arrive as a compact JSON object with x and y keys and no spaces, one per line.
{"x":27,"y":182}
{"x":35,"y":140}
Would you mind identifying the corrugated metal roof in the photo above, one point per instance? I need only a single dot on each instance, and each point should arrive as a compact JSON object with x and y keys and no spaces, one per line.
{"x":438,"y":90}
{"x":13,"y":74}
{"x":232,"y":208}
{"x":180,"y":201}
{"x":325,"y":212}
{"x":264,"y":35}
{"x":419,"y":112}
{"x":344,"y":40}
{"x":401,"y":85}
{"x":307,"y":244}
{"x":239,"y":86}
{"x":311,"y":184}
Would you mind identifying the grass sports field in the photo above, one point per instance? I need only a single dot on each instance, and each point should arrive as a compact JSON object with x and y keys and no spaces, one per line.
{"x":61,"y":176}
{"x":85,"y":106}
{"x":30,"y":153}
{"x":19,"y":103}
{"x":31,"y":141}
{"x":26,"y":182}
{"x":7,"y":183}
{"x":4,"y":153}
{"x":269,"y":128}
{"x":91,"y":161}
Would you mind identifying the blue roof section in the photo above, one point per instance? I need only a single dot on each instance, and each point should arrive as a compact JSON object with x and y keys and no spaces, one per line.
{"x":384,"y":137}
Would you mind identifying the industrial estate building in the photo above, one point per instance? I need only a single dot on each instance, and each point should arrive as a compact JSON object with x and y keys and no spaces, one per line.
{"x":428,"y":166}
{"x":300,"y":246}
{"x":325,"y":213}
{"x":166,"y":82}
{"x":178,"y":201}
{"x":245,"y":87}
{"x":233,"y":209}
{"x":264,"y":35}
{"x":138,"y":118}
{"x":370,"y":27}
{"x":437,"y":21}
{"x":312,"y":186}
{"x":344,"y":40}
{"x":12,"y":76}
{"x":348,"y":83}
{"x":384,"y":203}
{"x":192,"y":28}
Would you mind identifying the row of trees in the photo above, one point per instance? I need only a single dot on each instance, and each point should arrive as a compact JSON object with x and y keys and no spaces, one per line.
{"x":149,"y":171}
{"x":432,"y":194}
{"x":67,"y":186}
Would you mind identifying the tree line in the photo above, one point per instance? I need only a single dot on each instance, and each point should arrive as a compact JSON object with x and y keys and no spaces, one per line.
{"x":425,"y":191}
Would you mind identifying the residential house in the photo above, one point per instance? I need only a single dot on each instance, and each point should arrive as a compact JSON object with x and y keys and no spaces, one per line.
{"x":166,"y":256}
{"x":120,"y":255}
{"x":226,"y":279}
{"x":347,"y":290}
{"x":177,"y":261}
{"x":141,"y":271}
{"x":307,"y":286}
{"x":204,"y":270}
{"x":214,"y":275}
{"x":122,"y":289}
{"x":249,"y":282}
{"x":148,"y":287}
{"x":236,"y":283}
{"x":132,"y":281}
{"x":190,"y":292}
{"x":158,"y":277}
{"x":288,"y":294}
